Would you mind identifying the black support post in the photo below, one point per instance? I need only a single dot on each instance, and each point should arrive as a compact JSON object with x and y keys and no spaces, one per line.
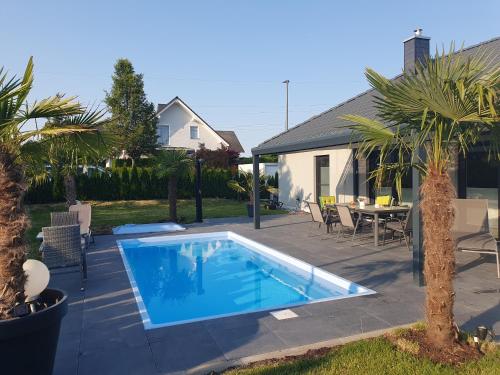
{"x":197,"y":193}
{"x":256,"y":192}
{"x":355,"y":174}
{"x":418,"y":238}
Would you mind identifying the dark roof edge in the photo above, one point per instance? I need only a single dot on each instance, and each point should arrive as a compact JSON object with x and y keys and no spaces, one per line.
{"x":330,"y":141}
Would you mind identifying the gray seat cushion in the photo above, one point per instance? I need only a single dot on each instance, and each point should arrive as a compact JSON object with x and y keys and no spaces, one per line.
{"x":475,"y":241}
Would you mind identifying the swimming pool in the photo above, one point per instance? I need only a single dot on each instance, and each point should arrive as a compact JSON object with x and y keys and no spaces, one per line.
{"x":187,"y":278}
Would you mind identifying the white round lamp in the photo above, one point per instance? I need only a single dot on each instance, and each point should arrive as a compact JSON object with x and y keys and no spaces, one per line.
{"x":38,"y":277}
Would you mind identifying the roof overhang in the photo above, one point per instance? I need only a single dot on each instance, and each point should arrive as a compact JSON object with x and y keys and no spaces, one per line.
{"x":335,"y":140}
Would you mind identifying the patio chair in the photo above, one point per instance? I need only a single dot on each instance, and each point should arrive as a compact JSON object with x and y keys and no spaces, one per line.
{"x":347,"y":221}
{"x":62,"y":247}
{"x":402,"y":226}
{"x":84,"y":219}
{"x":321,"y":218}
{"x":471,"y":230}
{"x":63,"y":218}
{"x":384,"y":200}
{"x":326,"y":200}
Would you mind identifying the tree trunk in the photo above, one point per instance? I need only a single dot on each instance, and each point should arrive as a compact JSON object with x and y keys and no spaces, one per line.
{"x":172,"y":198}
{"x":70,"y":189}
{"x":13,"y":224}
{"x":439,"y":264}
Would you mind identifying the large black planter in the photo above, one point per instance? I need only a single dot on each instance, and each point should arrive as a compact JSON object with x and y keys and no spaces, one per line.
{"x":28,"y":344}
{"x":250,"y":209}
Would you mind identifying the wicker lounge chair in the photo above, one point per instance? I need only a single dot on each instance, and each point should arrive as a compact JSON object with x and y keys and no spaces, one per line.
{"x":62,"y":247}
{"x":321,"y":218}
{"x":402,"y":226}
{"x":84,"y":219}
{"x":471,"y":229}
{"x":58,"y":219}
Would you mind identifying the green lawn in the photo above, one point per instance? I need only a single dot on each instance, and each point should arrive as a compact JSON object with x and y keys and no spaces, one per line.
{"x":106,"y":215}
{"x":374,"y":357}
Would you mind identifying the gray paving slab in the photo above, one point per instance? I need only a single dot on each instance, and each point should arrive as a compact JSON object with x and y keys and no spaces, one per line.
{"x":103,"y":332}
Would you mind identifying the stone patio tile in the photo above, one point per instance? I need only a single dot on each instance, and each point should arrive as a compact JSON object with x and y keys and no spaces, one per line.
{"x":245,"y":340}
{"x":117,"y":360}
{"x":185,"y":350}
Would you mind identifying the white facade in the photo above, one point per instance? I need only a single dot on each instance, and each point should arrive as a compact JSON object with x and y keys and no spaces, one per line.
{"x":179,"y":127}
{"x":297,"y":176}
{"x":267,"y":169}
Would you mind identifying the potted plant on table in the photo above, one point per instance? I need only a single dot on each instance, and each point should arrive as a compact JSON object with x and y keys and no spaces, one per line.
{"x":28,"y":334}
{"x":244,"y":185}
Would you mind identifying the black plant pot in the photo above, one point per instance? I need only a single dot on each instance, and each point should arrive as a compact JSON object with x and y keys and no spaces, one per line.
{"x":28,"y":344}
{"x":250,"y":209}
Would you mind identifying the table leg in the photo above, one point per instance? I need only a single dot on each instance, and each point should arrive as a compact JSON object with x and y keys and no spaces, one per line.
{"x":375,"y":229}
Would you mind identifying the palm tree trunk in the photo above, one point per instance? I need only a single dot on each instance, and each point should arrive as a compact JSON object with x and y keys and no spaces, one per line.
{"x":172,"y":198}
{"x":439,"y":264}
{"x":70,"y":189}
{"x":13,"y":224}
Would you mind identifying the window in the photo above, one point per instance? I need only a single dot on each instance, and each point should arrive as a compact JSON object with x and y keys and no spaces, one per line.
{"x":164,"y":131}
{"x":194,"y":132}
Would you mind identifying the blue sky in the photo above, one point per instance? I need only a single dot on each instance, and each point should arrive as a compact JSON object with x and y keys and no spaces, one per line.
{"x":227,"y":59}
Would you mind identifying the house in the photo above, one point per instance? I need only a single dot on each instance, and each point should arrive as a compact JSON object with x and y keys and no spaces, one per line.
{"x":316,"y":157}
{"x":180,"y":127}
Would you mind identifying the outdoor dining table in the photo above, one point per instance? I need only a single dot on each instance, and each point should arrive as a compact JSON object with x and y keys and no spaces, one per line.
{"x":376,"y":212}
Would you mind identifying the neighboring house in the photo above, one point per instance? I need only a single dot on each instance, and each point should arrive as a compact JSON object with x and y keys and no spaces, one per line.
{"x":267,"y":169}
{"x":316,"y":157}
{"x":180,"y":127}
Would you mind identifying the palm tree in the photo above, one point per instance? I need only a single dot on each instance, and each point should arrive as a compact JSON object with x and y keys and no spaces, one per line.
{"x":245,"y":185}
{"x":15,"y":114}
{"x":449,"y":104}
{"x":173,"y":164}
{"x":66,"y":153}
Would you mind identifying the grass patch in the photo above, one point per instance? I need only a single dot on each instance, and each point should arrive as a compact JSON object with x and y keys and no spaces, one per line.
{"x":374,"y":357}
{"x":106,"y":215}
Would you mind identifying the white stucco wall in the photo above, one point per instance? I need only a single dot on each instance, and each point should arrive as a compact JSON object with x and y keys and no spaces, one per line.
{"x":297,"y":175}
{"x":180,"y":120}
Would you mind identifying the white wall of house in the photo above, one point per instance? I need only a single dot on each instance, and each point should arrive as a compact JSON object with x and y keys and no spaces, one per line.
{"x":268,"y":169}
{"x":178,"y":120}
{"x":297,"y":175}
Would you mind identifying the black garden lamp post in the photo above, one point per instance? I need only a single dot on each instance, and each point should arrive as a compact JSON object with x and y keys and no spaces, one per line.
{"x":197,"y":193}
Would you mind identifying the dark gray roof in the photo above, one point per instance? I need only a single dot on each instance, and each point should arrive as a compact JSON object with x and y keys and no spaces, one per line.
{"x":327,"y":129}
{"x":230,"y":137}
{"x":160,"y":106}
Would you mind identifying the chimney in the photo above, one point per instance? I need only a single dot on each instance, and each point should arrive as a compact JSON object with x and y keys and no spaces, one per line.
{"x":416,"y":48}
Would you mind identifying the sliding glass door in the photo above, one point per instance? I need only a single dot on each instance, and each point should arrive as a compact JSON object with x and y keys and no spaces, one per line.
{"x":322,"y":176}
{"x":482,"y":182}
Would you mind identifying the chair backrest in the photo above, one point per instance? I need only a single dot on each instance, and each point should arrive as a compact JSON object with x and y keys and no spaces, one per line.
{"x":61,"y":246}
{"x":345,"y":216}
{"x":408,"y":223}
{"x":315,"y":212}
{"x":84,"y":216}
{"x":326,"y":199}
{"x":63,"y":218}
{"x":471,"y":216}
{"x":383,"y":200}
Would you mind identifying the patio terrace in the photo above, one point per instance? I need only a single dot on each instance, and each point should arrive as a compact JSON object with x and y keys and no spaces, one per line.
{"x":103,"y":332}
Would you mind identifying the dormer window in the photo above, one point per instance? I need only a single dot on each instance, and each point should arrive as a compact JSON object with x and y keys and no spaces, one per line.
{"x":194,"y":131}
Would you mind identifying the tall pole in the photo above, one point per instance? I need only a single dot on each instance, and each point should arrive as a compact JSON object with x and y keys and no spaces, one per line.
{"x":197,"y":193}
{"x":286,"y":110}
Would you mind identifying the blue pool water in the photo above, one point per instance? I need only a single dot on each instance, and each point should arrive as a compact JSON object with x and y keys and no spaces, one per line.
{"x":193,"y":277}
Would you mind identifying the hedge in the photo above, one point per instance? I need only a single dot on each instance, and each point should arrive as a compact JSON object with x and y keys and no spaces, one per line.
{"x":125,"y":183}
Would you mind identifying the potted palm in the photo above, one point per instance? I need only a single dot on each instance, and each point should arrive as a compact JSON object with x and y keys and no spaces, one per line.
{"x":448,"y":105}
{"x":19,"y":328}
{"x":244,"y":185}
